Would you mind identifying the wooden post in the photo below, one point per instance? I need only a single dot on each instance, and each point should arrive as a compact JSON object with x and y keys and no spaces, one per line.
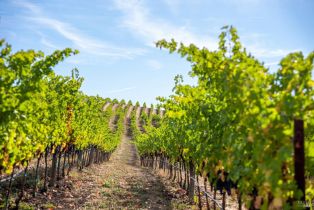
{"x":214,"y":198}
{"x":224,"y":200}
{"x":199,"y":193}
{"x":298,"y":144}
{"x":53,"y":171}
{"x":192,"y":182}
{"x":36,"y":176}
{"x":205,"y":186}
{"x":240,"y":201}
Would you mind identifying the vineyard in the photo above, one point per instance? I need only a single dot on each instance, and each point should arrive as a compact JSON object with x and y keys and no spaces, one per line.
{"x":241,"y":138}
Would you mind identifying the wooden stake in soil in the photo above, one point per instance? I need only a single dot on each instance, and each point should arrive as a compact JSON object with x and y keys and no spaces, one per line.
{"x":180,"y":173}
{"x":36,"y":176}
{"x":205,"y":186}
{"x":46,"y":170}
{"x":70,"y":161}
{"x":214,"y":198}
{"x":59,"y":164}
{"x":63,"y":165}
{"x":79,"y":160}
{"x":174,"y":173}
{"x":240,"y":201}
{"x":298,"y":144}
{"x":224,"y":200}
{"x":192,"y":182}
{"x":199,"y":194}
{"x":53,"y":172}
{"x":170,"y":171}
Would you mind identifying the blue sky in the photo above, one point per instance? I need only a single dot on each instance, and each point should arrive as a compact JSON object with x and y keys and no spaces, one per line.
{"x":116,"y":38}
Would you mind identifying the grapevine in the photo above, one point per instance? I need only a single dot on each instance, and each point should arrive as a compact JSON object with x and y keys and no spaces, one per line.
{"x":238,"y":119}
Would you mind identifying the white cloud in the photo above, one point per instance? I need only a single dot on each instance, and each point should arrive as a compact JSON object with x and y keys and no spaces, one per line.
{"x":121,"y":90}
{"x":47,"y":43}
{"x":260,"y":52}
{"x":85,"y":43}
{"x":137,"y":18}
{"x":79,"y":40}
{"x":255,"y":44}
{"x":33,"y":8}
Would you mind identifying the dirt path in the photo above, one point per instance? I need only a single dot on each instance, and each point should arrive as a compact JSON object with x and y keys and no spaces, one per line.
{"x":124,"y":184}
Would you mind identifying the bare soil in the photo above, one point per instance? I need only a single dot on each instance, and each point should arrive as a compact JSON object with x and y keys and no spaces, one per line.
{"x":123,"y":184}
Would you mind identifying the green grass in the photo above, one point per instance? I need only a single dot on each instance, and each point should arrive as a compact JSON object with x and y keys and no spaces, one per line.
{"x":107,"y":184}
{"x":48,"y":206}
